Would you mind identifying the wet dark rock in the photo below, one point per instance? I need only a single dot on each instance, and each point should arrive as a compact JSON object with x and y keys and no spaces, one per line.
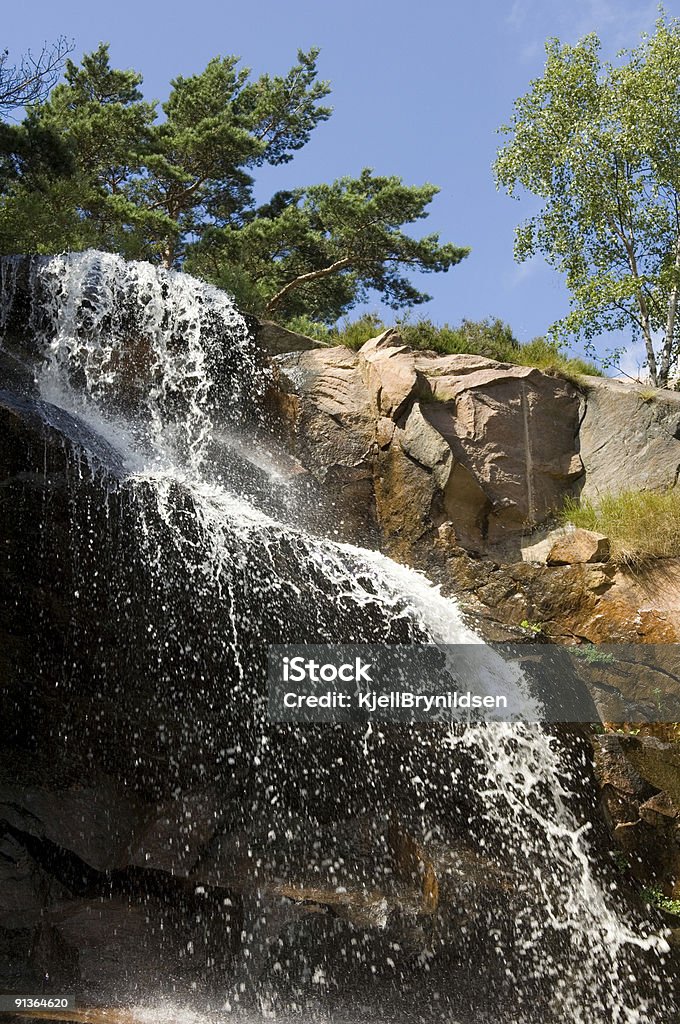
{"x":642,"y":816}
{"x":177,"y":832}
{"x":23,"y":886}
{"x":658,"y":762}
{"x":98,"y":822}
{"x":108,"y":936}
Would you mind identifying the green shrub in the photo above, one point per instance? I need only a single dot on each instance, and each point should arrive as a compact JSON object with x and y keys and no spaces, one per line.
{"x":621,"y":858}
{"x":548,"y":356}
{"x":641,"y":525}
{"x":654,"y":895}
{"x":310,"y":328}
{"x":355,"y":333}
{"x":350,"y":333}
{"x":490,"y":338}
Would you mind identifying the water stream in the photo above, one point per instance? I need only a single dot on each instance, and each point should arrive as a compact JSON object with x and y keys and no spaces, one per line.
{"x":528,"y":925}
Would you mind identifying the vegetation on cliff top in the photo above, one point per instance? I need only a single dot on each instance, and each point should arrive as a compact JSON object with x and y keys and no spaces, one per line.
{"x":491,"y":338}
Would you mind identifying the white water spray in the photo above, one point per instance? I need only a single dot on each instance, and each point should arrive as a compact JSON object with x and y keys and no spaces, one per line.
{"x":136,"y":353}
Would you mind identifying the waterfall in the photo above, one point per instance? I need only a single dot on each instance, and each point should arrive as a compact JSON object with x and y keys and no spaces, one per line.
{"x":203,"y":576}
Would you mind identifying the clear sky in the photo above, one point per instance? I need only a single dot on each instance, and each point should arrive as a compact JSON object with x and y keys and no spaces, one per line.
{"x":419,"y":88}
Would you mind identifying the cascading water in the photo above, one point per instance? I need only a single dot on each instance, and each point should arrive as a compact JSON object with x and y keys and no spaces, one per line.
{"x":179,"y":577}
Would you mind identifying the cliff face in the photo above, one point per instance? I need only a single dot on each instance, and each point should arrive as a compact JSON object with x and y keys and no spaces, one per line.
{"x":141,"y":845}
{"x":458,"y":464}
{"x":628,"y":438}
{"x":459,"y":447}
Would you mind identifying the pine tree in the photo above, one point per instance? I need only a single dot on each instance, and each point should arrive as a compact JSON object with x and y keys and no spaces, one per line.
{"x":321,"y":250}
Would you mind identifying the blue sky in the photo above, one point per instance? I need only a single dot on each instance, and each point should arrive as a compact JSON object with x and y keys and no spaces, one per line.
{"x":418,"y":90}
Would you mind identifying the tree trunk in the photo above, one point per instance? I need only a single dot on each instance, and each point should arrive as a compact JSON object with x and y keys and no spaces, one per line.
{"x":168,"y":255}
{"x":667,"y":351}
{"x":649,"y":340}
{"x":641,"y":301}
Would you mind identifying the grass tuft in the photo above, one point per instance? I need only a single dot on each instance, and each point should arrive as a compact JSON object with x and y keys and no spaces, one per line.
{"x":591,"y":654}
{"x":641,"y":525}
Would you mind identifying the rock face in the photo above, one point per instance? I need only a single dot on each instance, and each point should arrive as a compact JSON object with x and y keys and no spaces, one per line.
{"x":627,"y":439}
{"x":458,"y":464}
{"x":597,"y":602}
{"x":156,"y":831}
{"x":656,"y":761}
{"x":640,"y":792}
{"x":140,"y":847}
{"x":275,"y":339}
{"x":501,"y":445}
{"x":481,"y":450}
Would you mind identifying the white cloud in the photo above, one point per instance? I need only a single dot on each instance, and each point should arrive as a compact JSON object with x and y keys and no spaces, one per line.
{"x":525,"y":271}
{"x":619,"y":23}
{"x":530,"y":51}
{"x":518,"y":13}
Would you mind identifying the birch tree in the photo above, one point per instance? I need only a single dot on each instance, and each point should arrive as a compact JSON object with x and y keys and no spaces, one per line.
{"x":599,"y":144}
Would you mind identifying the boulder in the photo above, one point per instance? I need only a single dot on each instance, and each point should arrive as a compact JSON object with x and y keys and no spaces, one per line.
{"x":659,"y":810}
{"x":617,"y":774}
{"x":622,"y":790}
{"x":643,"y":822}
{"x":577,"y":546}
{"x":388,"y":370}
{"x":538,"y":545}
